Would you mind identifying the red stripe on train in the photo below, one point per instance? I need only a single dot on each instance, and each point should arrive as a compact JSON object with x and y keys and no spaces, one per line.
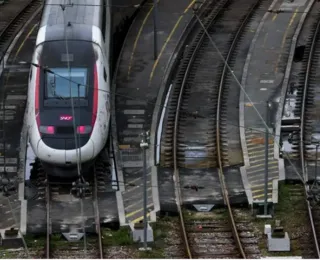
{"x":95,"y":95}
{"x":36,"y":97}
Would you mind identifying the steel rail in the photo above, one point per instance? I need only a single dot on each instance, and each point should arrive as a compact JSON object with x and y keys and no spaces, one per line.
{"x":218,"y":139}
{"x":97,"y":215}
{"x":11,"y":24}
{"x":48,"y":234}
{"x":175,"y":133}
{"x":301,"y":143}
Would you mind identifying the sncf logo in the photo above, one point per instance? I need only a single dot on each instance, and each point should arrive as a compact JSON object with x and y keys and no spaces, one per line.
{"x":65,"y":118}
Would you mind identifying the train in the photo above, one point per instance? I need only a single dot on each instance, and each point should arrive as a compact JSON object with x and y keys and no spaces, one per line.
{"x":68,"y":105}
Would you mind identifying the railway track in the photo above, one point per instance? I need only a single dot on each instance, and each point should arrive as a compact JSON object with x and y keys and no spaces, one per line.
{"x":305,"y":140}
{"x":88,"y":248}
{"x":91,"y":245}
{"x":8,"y":32}
{"x":196,"y":128}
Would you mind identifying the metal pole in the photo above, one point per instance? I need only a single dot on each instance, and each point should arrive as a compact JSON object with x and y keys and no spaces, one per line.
{"x":266,"y":162}
{"x":155,"y":41}
{"x":316,"y":166}
{"x":4,"y":136}
{"x":144,"y":146}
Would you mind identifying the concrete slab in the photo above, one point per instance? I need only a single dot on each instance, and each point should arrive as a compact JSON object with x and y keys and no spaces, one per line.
{"x":262,"y":78}
{"x":11,"y":82}
{"x":139,"y":76}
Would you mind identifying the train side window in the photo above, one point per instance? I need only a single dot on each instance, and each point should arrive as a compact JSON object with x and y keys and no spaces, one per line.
{"x":30,"y":74}
{"x":104,"y":75}
{"x":104,"y":20}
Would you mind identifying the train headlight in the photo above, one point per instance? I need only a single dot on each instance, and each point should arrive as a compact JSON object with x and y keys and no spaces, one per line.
{"x":47,"y":130}
{"x":84,"y":129}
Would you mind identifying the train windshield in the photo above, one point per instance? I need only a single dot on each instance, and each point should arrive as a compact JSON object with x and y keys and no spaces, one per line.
{"x":63,"y":83}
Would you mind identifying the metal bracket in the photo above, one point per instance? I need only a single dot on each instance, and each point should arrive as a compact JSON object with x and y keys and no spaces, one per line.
{"x":203,"y":207}
{"x":73,"y":236}
{"x":80,"y":188}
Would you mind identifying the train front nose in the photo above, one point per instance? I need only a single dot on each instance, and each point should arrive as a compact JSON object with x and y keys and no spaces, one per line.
{"x":64,"y":152}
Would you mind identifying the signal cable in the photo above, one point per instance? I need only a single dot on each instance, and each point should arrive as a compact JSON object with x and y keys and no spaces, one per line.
{"x":71,"y":97}
{"x":242,"y":88}
{"x":188,"y":113}
{"x":141,"y":6}
{"x":75,"y":134}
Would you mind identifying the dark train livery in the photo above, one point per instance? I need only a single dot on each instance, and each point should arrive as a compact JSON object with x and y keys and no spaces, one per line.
{"x":68,"y":109}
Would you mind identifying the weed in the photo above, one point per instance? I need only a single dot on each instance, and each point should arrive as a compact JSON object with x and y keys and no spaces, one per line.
{"x":120,"y":237}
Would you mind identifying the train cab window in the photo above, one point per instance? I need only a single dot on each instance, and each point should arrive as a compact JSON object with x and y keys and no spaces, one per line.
{"x":58,"y":84}
{"x":104,"y":75}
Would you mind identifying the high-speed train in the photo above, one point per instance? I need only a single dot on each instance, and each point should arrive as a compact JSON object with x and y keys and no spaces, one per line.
{"x":68,"y":108}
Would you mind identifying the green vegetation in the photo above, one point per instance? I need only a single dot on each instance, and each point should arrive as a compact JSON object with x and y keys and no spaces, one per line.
{"x":121,"y":237}
{"x":291,"y":210}
{"x":35,"y":241}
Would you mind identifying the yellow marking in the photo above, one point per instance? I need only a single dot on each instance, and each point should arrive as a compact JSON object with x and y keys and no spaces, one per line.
{"x":133,"y":205}
{"x":262,"y":190}
{"x":259,"y":140}
{"x":124,"y":146}
{"x":262,"y":180}
{"x":274,"y":17}
{"x":260,"y":185}
{"x":189,"y":6}
{"x":255,"y":172}
{"x":24,"y":41}
{"x":284,"y":38}
{"x":136,"y":211}
{"x":126,"y":200}
{"x":262,"y":164}
{"x":254,"y":153}
{"x":167,"y":41}
{"x":19,"y":49}
{"x":261,"y":195}
{"x":139,"y":219}
{"x":136,"y":179}
{"x":135,"y":187}
{"x":137,"y":38}
{"x":248,"y":104}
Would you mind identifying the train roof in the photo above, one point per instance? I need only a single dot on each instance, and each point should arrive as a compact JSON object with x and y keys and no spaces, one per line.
{"x":82,"y":15}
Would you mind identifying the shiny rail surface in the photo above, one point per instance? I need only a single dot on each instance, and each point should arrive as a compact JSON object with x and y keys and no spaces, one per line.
{"x":305,"y":128}
{"x":208,"y":21}
{"x":94,"y":247}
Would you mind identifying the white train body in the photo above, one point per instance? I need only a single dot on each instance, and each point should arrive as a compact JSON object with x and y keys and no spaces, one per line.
{"x":69,"y":85}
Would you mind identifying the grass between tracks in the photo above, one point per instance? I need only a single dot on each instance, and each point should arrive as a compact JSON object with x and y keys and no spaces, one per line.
{"x":120,"y":243}
{"x":117,"y":243}
{"x":291,"y":211}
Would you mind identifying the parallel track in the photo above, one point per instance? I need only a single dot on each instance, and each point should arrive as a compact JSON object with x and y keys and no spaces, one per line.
{"x":307,"y":108}
{"x":8,"y":33}
{"x":308,"y":127}
{"x":184,"y":125}
{"x":74,"y":249}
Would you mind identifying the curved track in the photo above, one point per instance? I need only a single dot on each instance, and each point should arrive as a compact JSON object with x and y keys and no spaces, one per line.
{"x":11,"y":29}
{"x":309,"y":126}
{"x":203,"y":131}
